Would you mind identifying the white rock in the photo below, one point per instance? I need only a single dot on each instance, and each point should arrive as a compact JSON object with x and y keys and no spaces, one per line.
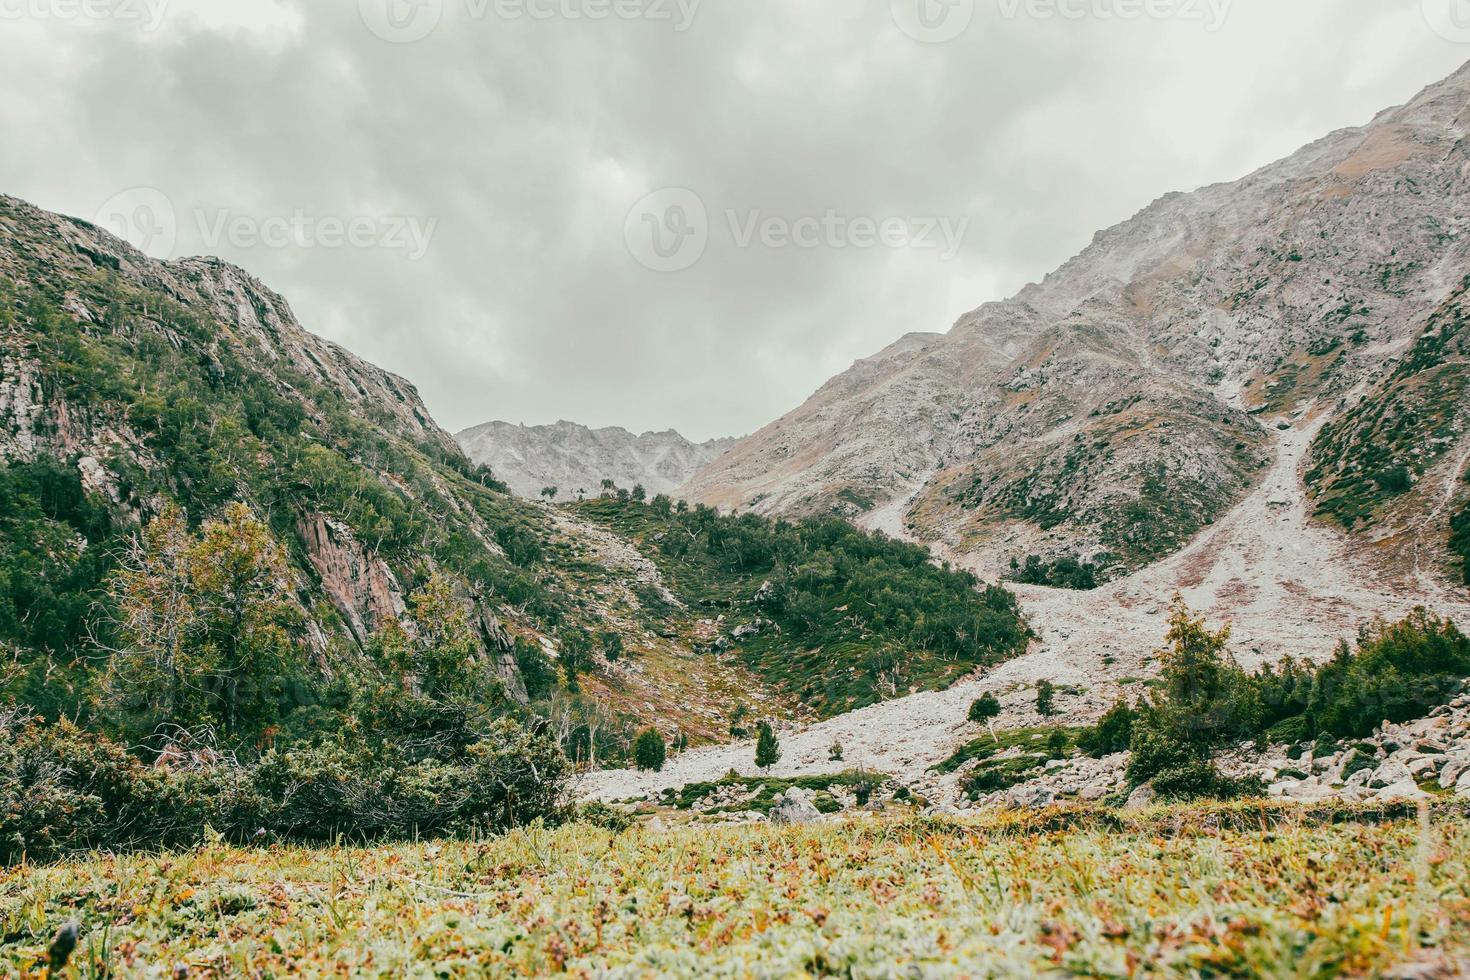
{"x":1389,"y":774}
{"x":1405,"y":789}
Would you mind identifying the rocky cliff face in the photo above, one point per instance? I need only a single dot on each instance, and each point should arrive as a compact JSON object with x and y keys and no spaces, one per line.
{"x":190,"y":382}
{"x":1133,"y":397}
{"x":576,"y":459}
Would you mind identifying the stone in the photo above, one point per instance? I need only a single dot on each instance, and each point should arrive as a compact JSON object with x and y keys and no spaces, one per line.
{"x":1029,"y":797}
{"x":1389,"y":774}
{"x":1404,"y":789}
{"x":1450,"y":774}
{"x":1141,"y":797}
{"x":1093,"y":793}
{"x":793,"y":807}
{"x":1302,"y":789}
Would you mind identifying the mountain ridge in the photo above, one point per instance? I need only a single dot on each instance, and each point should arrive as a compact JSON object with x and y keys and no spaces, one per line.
{"x":1112,"y":410}
{"x":576,"y":458}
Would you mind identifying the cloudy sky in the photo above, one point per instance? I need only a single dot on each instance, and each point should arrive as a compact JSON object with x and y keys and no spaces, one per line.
{"x":665,"y":213}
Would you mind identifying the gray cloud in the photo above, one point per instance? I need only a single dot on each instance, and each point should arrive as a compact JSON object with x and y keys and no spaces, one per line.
{"x":524,"y":141}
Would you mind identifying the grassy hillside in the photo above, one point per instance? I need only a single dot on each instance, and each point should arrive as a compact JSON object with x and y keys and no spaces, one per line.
{"x":1224,"y":891}
{"x":835,"y":616}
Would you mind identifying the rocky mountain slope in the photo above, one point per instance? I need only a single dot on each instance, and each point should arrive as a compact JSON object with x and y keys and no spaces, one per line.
{"x":576,"y":459}
{"x":1339,"y":428}
{"x":1132,"y":398}
{"x":132,"y":388}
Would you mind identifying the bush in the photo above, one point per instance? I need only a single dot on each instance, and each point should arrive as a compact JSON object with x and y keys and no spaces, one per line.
{"x":64,"y":790}
{"x":1112,"y":732}
{"x":650,"y":750}
{"x":984,"y":708}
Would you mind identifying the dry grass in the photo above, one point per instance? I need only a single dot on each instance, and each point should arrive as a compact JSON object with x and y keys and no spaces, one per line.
{"x":1226,"y":890}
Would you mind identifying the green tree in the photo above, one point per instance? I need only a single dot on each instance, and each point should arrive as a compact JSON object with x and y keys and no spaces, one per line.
{"x":984,"y":708}
{"x":1045,"y":694}
{"x":767,"y":748}
{"x":550,"y":492}
{"x":208,"y":626}
{"x":437,"y":690}
{"x":650,"y":750}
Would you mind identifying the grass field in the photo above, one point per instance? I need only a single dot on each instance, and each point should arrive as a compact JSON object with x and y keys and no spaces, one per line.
{"x":1230,"y":890}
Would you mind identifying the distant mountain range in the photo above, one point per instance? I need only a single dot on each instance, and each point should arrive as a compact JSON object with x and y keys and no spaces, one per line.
{"x":576,"y":459}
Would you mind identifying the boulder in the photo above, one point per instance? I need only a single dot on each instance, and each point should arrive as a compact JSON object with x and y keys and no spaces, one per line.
{"x":1029,"y":797}
{"x":1404,"y":789}
{"x":794,"y":807}
{"x":1141,"y":797}
{"x":1389,"y":774}
{"x":1462,"y":785}
{"x":1095,"y":792}
{"x":1452,"y":771}
{"x":1302,"y":789}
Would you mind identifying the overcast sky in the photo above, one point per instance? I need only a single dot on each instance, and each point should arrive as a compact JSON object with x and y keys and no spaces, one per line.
{"x":459,"y":190}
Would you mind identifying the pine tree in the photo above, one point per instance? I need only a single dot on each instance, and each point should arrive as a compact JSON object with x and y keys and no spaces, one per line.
{"x":650,"y":750}
{"x":767,"y":748}
{"x":1045,"y":693}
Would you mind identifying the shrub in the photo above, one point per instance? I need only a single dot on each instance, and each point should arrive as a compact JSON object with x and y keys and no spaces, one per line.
{"x":984,"y":708}
{"x":650,"y":751}
{"x":1056,"y":744}
{"x":1112,"y":732}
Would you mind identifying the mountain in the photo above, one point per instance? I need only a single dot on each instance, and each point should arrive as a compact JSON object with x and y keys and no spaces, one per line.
{"x":179,"y":406}
{"x":1144,"y":390}
{"x":576,"y":459}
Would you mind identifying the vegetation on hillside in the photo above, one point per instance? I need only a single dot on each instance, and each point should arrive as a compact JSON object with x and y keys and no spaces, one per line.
{"x":1066,"y":572}
{"x":1204,"y":701}
{"x":1253,"y":890}
{"x":1379,"y":448}
{"x":1460,"y":537}
{"x":840,"y":617}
